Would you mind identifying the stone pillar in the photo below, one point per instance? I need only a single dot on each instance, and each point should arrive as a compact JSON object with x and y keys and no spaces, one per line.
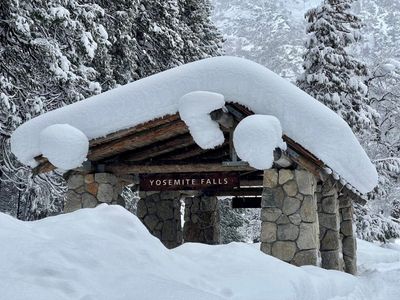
{"x":160,"y":213}
{"x":289,"y":228}
{"x":329,"y":226}
{"x":201,"y":220}
{"x":90,"y":190}
{"x":349,"y":241}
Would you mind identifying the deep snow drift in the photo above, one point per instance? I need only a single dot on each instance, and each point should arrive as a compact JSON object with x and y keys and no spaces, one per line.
{"x":304,"y":119}
{"x":106,"y":253}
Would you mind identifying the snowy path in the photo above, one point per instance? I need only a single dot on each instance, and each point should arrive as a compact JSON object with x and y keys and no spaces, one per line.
{"x":379,"y":277}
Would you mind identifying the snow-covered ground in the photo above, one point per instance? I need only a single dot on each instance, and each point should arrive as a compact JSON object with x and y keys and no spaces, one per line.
{"x":106,"y":253}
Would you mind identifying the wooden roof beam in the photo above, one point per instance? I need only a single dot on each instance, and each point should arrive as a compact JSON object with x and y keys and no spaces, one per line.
{"x":137,"y":140}
{"x":159,"y":148}
{"x":138,"y":128}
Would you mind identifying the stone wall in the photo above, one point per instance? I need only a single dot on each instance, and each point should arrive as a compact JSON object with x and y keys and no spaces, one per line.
{"x":348,"y":239}
{"x":289,"y":228}
{"x":90,"y":190}
{"x":160,"y":213}
{"x":201,"y":220}
{"x":329,"y":226}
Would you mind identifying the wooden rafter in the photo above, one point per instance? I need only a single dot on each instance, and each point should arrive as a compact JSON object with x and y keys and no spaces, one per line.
{"x":137,"y":140}
{"x":138,"y":128}
{"x":159,"y":148}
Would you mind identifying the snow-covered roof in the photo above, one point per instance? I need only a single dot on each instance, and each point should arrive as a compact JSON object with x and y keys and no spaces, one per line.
{"x":303,"y":119}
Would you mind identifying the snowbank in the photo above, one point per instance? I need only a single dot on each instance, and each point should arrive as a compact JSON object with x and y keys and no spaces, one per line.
{"x":106,"y":253}
{"x":303,"y":118}
{"x":64,"y":146}
{"x":370,"y":254}
{"x":255,"y":139}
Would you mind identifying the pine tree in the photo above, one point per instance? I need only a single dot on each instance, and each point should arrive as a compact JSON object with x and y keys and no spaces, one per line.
{"x":231,"y":222}
{"x":265,"y":31}
{"x":200,"y":36}
{"x":331,"y":74}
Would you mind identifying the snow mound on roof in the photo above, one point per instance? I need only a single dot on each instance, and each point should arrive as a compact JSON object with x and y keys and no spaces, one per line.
{"x":256,"y":137}
{"x":303,"y":119}
{"x":65,"y":146}
{"x":194,"y":110}
{"x":107,"y":253}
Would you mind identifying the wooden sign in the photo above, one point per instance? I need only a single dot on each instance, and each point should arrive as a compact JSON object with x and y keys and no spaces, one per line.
{"x":189,"y":181}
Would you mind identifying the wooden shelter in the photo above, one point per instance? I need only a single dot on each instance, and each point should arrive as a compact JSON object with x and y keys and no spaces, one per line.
{"x":165,"y":145}
{"x":306,"y":213}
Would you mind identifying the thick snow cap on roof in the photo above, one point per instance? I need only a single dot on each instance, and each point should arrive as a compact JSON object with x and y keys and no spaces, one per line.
{"x":303,"y":119}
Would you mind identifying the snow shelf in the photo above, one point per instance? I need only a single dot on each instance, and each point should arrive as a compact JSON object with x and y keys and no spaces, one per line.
{"x":303,"y":119}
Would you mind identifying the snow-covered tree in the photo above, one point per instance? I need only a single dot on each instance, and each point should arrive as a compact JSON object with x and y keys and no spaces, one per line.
{"x":56,"y":52}
{"x":231,"y":222}
{"x":265,"y":31}
{"x":257,"y":29}
{"x":331,"y":74}
{"x":200,"y":36}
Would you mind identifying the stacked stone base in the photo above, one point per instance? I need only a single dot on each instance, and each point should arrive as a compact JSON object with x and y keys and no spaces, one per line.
{"x":349,"y":242}
{"x":201,"y":220}
{"x":307,"y":224}
{"x":160,"y":213}
{"x":289,"y":229}
{"x":302,"y":223}
{"x":329,"y":226}
{"x":90,"y":190}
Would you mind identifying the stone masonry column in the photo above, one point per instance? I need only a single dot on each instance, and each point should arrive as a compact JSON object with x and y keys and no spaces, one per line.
{"x":160,"y":213}
{"x":289,"y":228}
{"x":201,"y":220}
{"x":90,"y":190}
{"x":329,"y":226}
{"x":349,"y":241}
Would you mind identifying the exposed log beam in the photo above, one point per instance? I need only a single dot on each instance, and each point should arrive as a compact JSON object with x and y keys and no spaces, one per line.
{"x":141,"y":127}
{"x":159,"y":148}
{"x":223,"y":118}
{"x":44,"y":167}
{"x":165,"y":128}
{"x":194,"y":152}
{"x":174,"y":168}
{"x":137,"y":140}
{"x":281,"y":159}
{"x":190,"y":152}
{"x":302,"y":151}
